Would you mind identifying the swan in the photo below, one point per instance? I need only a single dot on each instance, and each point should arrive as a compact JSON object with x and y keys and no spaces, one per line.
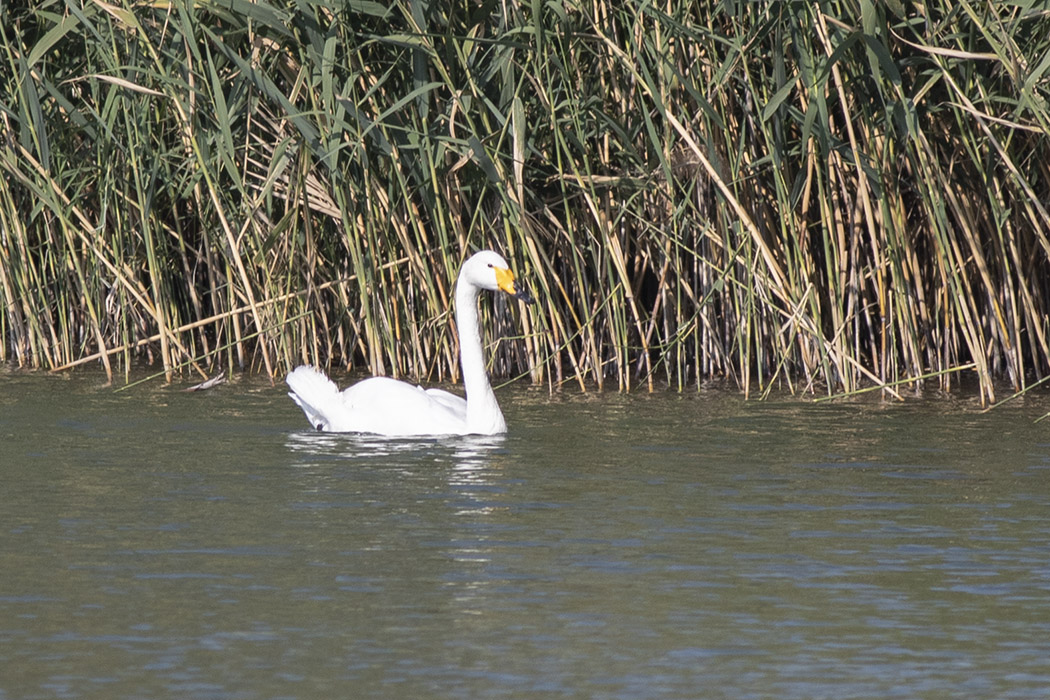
{"x":385,"y":406}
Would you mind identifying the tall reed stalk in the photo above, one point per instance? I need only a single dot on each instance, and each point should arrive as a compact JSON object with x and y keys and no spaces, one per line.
{"x":825,"y":196}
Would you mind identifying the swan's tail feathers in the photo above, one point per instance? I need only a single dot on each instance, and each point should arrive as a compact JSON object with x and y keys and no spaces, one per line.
{"x":316,"y":394}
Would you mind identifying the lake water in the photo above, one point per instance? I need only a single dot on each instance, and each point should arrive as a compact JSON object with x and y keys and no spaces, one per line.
{"x":162,"y":544}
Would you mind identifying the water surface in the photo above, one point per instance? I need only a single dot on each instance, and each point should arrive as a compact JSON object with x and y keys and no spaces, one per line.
{"x":159,"y":544}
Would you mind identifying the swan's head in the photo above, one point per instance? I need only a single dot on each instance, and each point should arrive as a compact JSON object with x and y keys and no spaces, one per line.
{"x":488,"y":270}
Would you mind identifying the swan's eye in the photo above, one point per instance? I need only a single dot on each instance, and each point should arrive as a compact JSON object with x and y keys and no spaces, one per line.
{"x":490,"y":264}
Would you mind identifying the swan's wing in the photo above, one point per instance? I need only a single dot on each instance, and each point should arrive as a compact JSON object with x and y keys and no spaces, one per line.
{"x":390,"y":407}
{"x":454,"y":403}
{"x":378,"y":405}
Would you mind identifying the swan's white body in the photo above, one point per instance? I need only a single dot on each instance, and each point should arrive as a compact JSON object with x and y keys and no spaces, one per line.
{"x":386,"y":406}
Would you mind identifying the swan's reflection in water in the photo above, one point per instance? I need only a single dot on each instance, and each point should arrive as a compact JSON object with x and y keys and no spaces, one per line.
{"x":459,"y":467}
{"x":433,"y":511}
{"x":464,"y":452}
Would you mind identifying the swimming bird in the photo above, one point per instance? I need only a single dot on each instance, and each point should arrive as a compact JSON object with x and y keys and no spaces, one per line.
{"x":386,"y":406}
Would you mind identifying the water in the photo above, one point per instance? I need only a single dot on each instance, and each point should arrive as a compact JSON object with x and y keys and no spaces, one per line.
{"x":159,"y":544}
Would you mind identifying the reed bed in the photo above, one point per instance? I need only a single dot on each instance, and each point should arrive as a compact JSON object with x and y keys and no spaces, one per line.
{"x":823,"y":196}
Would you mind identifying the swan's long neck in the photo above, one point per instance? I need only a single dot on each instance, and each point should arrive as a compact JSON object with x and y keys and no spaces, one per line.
{"x":483,"y":414}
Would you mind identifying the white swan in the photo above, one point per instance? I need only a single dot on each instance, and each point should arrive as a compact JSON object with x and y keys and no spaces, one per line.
{"x":386,"y":406}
